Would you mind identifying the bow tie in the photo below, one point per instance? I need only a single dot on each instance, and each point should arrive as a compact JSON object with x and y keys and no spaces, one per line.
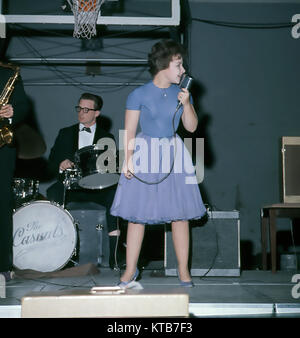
{"x":87,"y":129}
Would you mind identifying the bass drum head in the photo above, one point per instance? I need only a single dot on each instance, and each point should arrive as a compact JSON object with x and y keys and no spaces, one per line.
{"x":44,"y":237}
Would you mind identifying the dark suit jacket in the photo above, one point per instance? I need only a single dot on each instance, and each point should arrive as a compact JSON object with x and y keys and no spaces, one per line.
{"x":66,"y":145}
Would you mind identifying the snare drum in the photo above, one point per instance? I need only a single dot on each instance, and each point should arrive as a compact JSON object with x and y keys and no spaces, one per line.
{"x":93,"y":174}
{"x":44,"y":237}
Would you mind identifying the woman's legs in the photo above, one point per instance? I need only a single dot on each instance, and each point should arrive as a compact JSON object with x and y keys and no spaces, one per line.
{"x":181,"y":240}
{"x":135,"y":235}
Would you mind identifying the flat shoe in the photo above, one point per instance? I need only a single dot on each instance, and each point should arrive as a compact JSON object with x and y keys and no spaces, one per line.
{"x":188,"y":284}
{"x":123,"y":284}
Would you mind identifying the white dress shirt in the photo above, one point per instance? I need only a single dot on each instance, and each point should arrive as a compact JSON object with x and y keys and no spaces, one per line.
{"x":86,"y":138}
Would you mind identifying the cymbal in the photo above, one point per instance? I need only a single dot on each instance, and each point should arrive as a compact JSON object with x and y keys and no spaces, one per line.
{"x":29,"y":142}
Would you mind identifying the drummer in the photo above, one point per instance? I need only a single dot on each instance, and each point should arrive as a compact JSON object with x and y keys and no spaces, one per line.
{"x":85,"y":132}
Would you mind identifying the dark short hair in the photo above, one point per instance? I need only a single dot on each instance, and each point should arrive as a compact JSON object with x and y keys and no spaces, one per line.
{"x":98,"y":102}
{"x":162,"y":53}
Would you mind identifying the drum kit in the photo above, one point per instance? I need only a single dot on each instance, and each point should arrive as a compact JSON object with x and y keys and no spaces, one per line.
{"x":44,"y":232}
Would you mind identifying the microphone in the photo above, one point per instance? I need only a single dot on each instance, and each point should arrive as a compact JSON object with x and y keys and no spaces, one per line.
{"x":185,"y":82}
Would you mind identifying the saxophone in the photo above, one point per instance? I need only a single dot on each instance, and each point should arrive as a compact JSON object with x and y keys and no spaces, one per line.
{"x":6,"y":133}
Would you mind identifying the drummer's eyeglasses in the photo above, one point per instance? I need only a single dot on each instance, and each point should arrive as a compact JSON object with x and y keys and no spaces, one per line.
{"x":85,"y":110}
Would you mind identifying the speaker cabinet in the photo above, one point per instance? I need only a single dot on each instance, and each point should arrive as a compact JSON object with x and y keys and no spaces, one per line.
{"x":291,"y":168}
{"x":92,"y":232}
{"x":214,"y":246}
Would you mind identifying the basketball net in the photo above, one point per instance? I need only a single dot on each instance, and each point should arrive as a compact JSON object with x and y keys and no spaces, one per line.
{"x":85,"y":17}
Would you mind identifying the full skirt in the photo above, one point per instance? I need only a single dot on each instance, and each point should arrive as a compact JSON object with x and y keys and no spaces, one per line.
{"x":164,"y":188}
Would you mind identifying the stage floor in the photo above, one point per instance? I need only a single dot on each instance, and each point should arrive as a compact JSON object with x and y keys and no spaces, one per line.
{"x":252,"y":294}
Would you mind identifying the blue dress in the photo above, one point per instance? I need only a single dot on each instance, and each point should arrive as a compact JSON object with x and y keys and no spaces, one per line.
{"x":166,"y":188}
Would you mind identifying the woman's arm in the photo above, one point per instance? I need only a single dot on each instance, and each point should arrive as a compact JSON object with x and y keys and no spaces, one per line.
{"x":131,"y":123}
{"x":189,"y":116}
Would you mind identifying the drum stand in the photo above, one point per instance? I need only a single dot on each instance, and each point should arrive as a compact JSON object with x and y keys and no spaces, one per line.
{"x":66,"y":184}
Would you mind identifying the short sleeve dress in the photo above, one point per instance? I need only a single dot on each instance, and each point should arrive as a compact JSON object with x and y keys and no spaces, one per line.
{"x":165,"y":188}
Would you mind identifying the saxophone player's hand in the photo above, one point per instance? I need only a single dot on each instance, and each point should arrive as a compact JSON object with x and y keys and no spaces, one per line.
{"x":6,"y":111}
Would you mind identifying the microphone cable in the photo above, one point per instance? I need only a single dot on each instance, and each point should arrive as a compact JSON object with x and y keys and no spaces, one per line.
{"x":175,"y":151}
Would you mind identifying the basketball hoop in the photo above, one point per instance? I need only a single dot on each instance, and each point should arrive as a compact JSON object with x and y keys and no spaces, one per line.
{"x":85,"y":17}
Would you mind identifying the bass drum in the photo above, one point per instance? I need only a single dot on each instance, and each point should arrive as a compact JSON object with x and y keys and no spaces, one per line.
{"x":44,"y":237}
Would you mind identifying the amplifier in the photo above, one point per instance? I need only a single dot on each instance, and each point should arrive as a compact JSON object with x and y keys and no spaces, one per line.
{"x":214,"y":246}
{"x":92,"y":232}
